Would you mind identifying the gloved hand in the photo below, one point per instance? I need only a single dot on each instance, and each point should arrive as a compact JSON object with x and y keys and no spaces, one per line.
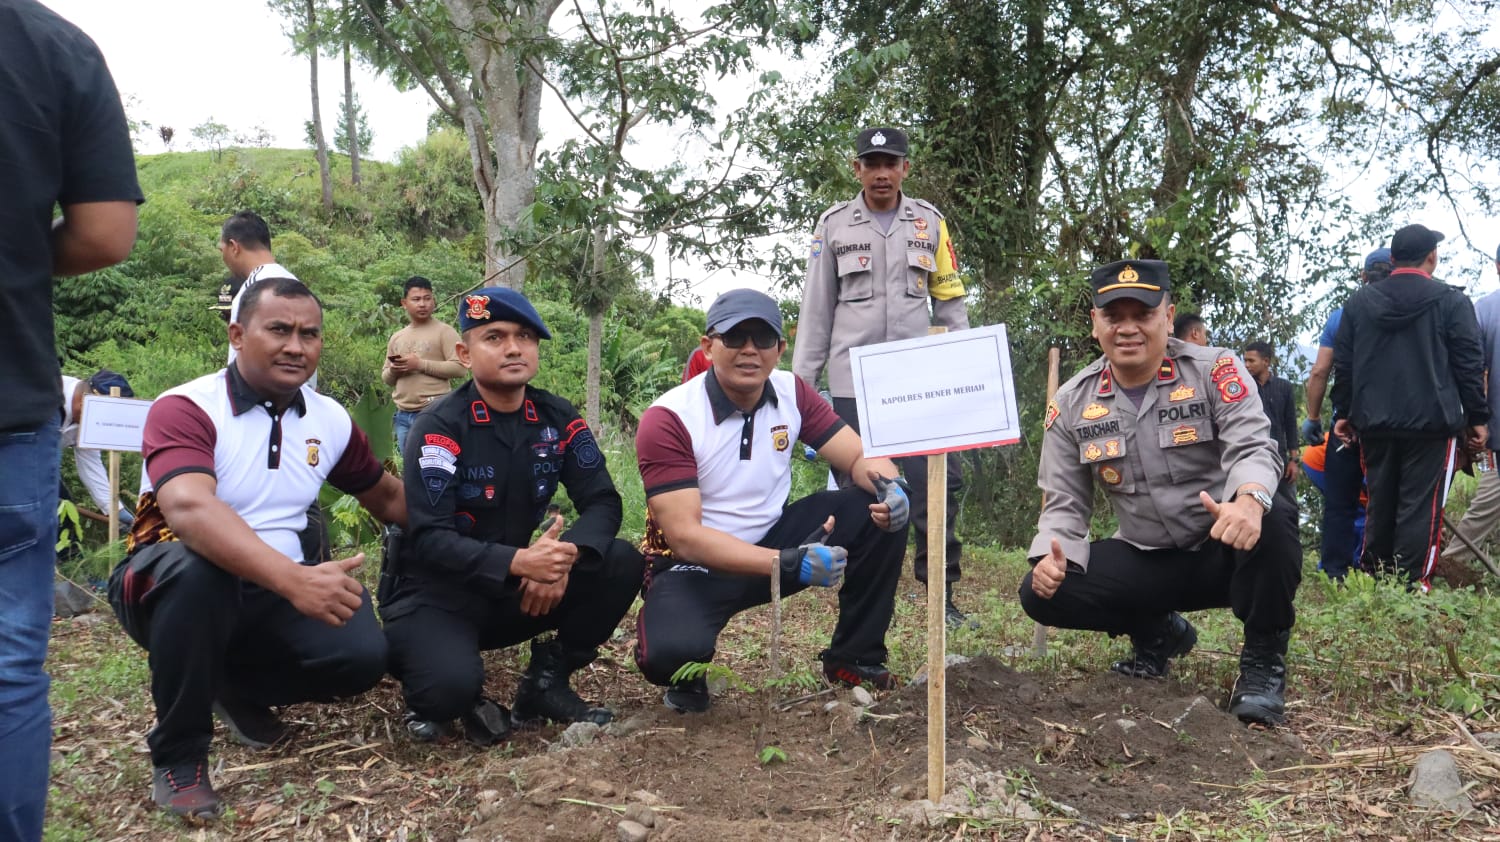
{"x":814,"y":562}
{"x":126,"y":517}
{"x":895,"y":493}
{"x":1312,"y":431}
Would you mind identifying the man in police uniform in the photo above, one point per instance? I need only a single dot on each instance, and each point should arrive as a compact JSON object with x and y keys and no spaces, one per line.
{"x":483,"y":464}
{"x":1174,"y":433}
{"x":877,"y":263}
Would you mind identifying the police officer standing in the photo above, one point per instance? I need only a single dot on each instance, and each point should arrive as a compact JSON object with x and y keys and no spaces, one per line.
{"x":1175,"y":435}
{"x":878,"y":263}
{"x":483,"y":465}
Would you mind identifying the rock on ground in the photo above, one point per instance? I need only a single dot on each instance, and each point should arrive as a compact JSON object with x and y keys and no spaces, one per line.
{"x":1435,"y":783}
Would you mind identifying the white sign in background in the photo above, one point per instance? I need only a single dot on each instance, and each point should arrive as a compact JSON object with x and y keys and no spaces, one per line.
{"x":935,"y":394}
{"x":112,"y":423}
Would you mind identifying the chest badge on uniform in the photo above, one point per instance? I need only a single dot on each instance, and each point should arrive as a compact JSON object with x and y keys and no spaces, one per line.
{"x":1110,"y":475}
{"x":924,"y":261}
{"x":312,"y":452}
{"x":864,"y":262}
{"x":922,"y":233}
{"x":1182,"y":393}
{"x":1094,"y":411}
{"x":1232,"y":390}
{"x":1092,"y":452}
{"x":1185,"y":434}
{"x":1052,"y":412}
{"x":1112,"y":448}
{"x":920,"y":223}
{"x":489,"y":492}
{"x":780,"y":438}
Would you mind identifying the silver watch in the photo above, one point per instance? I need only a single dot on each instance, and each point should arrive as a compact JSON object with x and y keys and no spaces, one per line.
{"x":1262,"y":498}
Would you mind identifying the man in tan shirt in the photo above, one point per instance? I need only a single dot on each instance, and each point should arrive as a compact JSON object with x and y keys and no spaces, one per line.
{"x":420,"y":359}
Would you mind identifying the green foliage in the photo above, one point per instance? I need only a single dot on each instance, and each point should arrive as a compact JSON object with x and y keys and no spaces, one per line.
{"x":770,"y":755}
{"x":213,"y":135}
{"x":430,"y":191}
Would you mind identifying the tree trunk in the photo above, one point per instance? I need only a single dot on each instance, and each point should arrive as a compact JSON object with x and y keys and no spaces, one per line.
{"x":350,"y":117}
{"x":502,"y":126}
{"x":317,"y":115}
{"x":592,"y":409}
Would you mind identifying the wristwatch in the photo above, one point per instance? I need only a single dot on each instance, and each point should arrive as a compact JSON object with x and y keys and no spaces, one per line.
{"x":1262,"y":498}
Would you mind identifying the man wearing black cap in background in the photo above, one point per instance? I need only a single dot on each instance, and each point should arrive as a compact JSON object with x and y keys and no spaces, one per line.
{"x":715,"y":457}
{"x":883,"y":268}
{"x":482,"y":466}
{"x":1409,"y":384}
{"x":1175,"y":435}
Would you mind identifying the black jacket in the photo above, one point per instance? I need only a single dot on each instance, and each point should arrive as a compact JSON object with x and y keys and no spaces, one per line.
{"x":1408,"y":359}
{"x":478,"y":483}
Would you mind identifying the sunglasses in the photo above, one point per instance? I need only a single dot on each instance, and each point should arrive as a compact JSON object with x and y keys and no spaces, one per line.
{"x":764,"y":339}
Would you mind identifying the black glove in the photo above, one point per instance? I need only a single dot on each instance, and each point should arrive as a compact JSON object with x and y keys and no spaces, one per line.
{"x":814,"y":562}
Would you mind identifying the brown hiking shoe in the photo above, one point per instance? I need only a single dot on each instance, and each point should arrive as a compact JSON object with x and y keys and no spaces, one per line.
{"x":184,"y":790}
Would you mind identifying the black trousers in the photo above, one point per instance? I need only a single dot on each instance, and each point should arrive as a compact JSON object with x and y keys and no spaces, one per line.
{"x":914,"y":469}
{"x":435,"y":650}
{"x":1408,"y":480}
{"x":688,"y":605}
{"x":1343,"y":479}
{"x":1128,"y":590}
{"x":211,"y":634}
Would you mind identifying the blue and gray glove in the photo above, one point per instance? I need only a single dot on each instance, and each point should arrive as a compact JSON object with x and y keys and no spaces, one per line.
{"x":814,"y":562}
{"x":127,"y":517}
{"x":1312,"y":431}
{"x":895,"y":493}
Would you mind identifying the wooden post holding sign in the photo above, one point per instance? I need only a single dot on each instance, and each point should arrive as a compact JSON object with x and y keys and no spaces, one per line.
{"x":114,"y":424}
{"x":1054,"y":365}
{"x":932,"y":396}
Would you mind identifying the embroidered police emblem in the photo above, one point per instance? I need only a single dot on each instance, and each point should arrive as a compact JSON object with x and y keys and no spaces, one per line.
{"x":1094,"y":411}
{"x":1112,"y":448}
{"x":1186,"y":434}
{"x":312,"y":452}
{"x":1052,"y":412}
{"x":864,"y":262}
{"x":878,"y":139}
{"x":817,"y":247}
{"x":1092,"y":452}
{"x":921,"y":225}
{"x":925,"y":261}
{"x":489,"y":492}
{"x":780,"y":438}
{"x":1232,"y":390}
{"x":1128,"y":275}
{"x":1110,"y":475}
{"x":1181,"y":393}
{"x":923,"y":235}
{"x":478,"y":306}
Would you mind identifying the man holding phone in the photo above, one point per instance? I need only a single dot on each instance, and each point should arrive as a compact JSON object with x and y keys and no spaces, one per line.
{"x":420,"y":359}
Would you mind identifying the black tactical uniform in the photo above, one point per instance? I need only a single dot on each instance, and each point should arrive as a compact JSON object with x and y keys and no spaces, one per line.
{"x":478,"y":485}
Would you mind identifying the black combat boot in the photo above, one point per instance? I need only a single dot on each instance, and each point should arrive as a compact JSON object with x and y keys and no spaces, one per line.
{"x":1259,"y":693}
{"x":1173,"y":637}
{"x":544,"y":692}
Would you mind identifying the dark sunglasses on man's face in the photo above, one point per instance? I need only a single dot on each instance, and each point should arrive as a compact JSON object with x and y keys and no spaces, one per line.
{"x":764,"y":339}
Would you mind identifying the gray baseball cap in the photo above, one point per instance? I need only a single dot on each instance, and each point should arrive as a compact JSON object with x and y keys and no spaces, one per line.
{"x":738,"y":305}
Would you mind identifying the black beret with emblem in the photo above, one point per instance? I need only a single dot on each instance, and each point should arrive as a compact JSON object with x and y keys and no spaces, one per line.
{"x":885,"y":141}
{"x":1147,"y":281}
{"x":498,"y":304}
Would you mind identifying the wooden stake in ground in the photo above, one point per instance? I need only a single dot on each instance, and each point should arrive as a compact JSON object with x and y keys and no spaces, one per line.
{"x":937,"y":626}
{"x":937,"y":622}
{"x":1054,"y":363}
{"x":114,"y":485}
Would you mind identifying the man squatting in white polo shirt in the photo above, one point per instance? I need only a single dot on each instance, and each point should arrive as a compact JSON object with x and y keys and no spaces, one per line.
{"x":215,"y":585}
{"x":715,"y":456}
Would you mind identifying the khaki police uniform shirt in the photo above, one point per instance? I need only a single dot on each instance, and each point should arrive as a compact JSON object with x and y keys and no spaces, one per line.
{"x":1200,"y":427}
{"x":866,"y":286}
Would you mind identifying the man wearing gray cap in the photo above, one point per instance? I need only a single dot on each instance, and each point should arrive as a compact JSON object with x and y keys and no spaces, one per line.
{"x":882,"y":267}
{"x":1175,"y":437}
{"x":1409,"y":385}
{"x":715,"y":457}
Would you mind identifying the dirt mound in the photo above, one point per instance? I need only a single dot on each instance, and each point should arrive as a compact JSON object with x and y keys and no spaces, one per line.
{"x":1095,"y":748}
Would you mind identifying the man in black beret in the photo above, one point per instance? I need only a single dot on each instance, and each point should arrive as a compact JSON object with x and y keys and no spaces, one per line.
{"x":482,"y":466}
{"x":1174,"y":434}
{"x":1409,"y":385}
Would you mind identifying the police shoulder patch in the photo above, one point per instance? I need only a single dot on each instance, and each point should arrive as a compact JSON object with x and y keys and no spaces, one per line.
{"x":1052,"y":412}
{"x":1232,"y":390}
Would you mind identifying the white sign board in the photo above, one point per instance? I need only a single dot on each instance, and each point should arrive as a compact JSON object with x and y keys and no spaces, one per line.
{"x":934,"y":394}
{"x":112,"y":423}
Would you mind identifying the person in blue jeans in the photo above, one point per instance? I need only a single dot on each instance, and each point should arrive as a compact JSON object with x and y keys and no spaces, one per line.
{"x":1343,"y":473}
{"x":63,"y":142}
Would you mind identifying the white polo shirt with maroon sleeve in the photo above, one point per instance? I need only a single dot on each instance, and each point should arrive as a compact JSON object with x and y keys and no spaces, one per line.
{"x":269,"y":466}
{"x":740,"y":462}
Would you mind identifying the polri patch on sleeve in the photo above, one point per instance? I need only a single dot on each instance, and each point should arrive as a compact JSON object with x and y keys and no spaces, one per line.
{"x":585,"y":450}
{"x":1232,"y":390}
{"x":1052,"y":412}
